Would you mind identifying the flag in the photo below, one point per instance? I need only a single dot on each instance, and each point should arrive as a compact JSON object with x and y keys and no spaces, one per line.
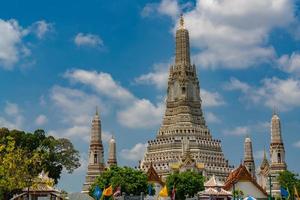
{"x":117,"y":192}
{"x":164,"y":192}
{"x":173,"y":193}
{"x":150,"y":190}
{"x":296,"y":192}
{"x":97,"y":192}
{"x":284,"y":193}
{"x":108,"y":191}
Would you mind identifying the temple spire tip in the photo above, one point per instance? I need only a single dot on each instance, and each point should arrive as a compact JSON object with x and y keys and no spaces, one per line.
{"x":97,"y":112}
{"x":181,"y":22}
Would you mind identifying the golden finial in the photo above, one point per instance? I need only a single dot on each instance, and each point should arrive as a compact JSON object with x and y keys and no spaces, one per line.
{"x":181,"y":21}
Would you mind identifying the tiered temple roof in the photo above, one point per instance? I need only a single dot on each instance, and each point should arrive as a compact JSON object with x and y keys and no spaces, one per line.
{"x":241,"y":174}
{"x":184,"y":120}
{"x":214,"y":190}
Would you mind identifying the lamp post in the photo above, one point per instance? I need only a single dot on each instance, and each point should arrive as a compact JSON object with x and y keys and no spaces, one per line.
{"x":270,"y":186}
{"x":233,"y":191}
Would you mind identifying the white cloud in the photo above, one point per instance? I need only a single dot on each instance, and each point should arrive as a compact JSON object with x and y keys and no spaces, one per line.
{"x":135,"y":154}
{"x":290,"y":64}
{"x":76,"y":109}
{"x":76,"y":105}
{"x":12,"y":46}
{"x":74,"y":131}
{"x":41,"y":120}
{"x":133,"y":109}
{"x":212,"y":118}
{"x":235,"y":84}
{"x":101,"y":82}
{"x":79,"y":132}
{"x":284,"y":94}
{"x":159,"y":76}
{"x":211,"y":99}
{"x":149,"y":9}
{"x":8,"y":124}
{"x":11,"y":109}
{"x":141,"y":114}
{"x":237,"y":131}
{"x":14,"y":118}
{"x":169,"y":7}
{"x":297,"y":144}
{"x":88,"y":39}
{"x":165,"y":7}
{"x":41,"y":28}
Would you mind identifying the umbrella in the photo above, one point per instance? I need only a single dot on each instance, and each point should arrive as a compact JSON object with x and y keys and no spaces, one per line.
{"x":249,"y":198}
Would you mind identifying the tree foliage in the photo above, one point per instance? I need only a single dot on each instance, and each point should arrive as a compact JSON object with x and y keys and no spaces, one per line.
{"x":132,"y":181}
{"x":288,"y":180}
{"x":186,"y":183}
{"x":238,"y":193}
{"x":24,"y":155}
{"x":16,"y":168}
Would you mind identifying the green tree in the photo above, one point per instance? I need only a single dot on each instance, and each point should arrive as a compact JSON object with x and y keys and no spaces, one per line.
{"x":288,"y":180}
{"x":24,"y":155}
{"x":186,"y":183}
{"x":238,"y":194}
{"x":130,"y":180}
{"x":16,"y":168}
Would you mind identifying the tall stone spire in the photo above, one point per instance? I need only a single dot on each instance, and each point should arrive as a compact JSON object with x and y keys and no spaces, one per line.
{"x":183,"y":86}
{"x":248,"y":156}
{"x":277,"y":152}
{"x":182,"y":56}
{"x":96,"y":157}
{"x":112,"y":155}
{"x":184,"y":120}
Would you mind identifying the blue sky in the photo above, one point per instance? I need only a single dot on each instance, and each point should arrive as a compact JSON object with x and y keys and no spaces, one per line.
{"x":59,"y":59}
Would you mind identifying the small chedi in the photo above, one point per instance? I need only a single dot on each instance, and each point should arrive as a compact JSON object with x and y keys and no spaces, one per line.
{"x":96,"y":165}
{"x":267,"y":169}
{"x":248,"y":157}
{"x":277,"y":159}
{"x":184,"y":140}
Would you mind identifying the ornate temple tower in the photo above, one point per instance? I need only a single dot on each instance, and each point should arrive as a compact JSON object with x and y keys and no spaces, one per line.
{"x":184,"y":120}
{"x":248,"y":157}
{"x":96,"y":157}
{"x":263,"y":172}
{"x":112,"y":155}
{"x":277,"y":152}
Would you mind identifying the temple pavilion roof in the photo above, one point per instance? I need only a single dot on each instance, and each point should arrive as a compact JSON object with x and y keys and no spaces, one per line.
{"x":213,"y":187}
{"x":213,"y":183}
{"x":241,"y":174}
{"x":153,"y":176}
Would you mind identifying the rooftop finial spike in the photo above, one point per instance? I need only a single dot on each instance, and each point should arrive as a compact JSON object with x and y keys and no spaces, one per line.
{"x":181,"y":21}
{"x":112,"y":136}
{"x":274,"y":110}
{"x":97,"y":113}
{"x":265,"y":154}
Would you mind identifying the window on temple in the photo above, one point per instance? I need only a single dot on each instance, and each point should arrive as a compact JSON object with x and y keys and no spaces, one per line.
{"x":183,"y":90}
{"x":279,"y":158}
{"x":95,"y":158}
